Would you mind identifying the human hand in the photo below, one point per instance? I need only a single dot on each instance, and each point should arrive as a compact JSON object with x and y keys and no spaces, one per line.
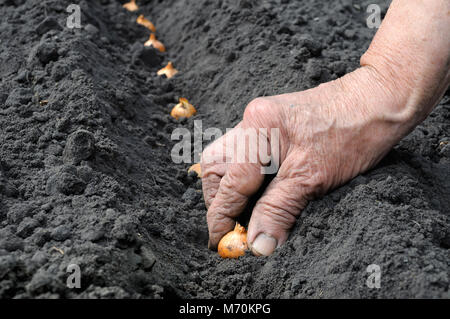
{"x":327,"y":135}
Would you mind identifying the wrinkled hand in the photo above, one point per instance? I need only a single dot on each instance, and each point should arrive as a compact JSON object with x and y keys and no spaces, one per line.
{"x":327,"y":135}
{"x":333,"y":132}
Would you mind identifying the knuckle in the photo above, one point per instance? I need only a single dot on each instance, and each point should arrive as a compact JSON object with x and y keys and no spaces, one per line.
{"x":233,"y":181}
{"x":244,"y":179}
{"x":212,"y":154}
{"x":256,"y":108}
{"x":316,"y":184}
{"x":217,"y":220}
{"x":210,"y":186}
{"x":311,"y":179}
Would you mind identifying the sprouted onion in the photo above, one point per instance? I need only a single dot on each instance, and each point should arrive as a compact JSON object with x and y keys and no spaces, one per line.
{"x":168,"y":70}
{"x":155,"y":43}
{"x":131,"y":6}
{"x":146,"y":23}
{"x":197,"y":169}
{"x":183,"y":109}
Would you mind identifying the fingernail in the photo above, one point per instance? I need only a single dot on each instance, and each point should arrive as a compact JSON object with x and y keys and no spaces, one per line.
{"x":263,"y":245}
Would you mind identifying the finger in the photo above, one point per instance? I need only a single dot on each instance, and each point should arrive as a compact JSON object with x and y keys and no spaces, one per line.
{"x":240,"y":182}
{"x":214,"y":164}
{"x":211,"y":181}
{"x":274,"y":215}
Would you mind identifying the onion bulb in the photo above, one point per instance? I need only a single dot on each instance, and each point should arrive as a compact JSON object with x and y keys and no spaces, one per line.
{"x":131,"y":6}
{"x":155,"y":43}
{"x":183,"y":109}
{"x":197,"y":169}
{"x":233,"y":244}
{"x":146,"y":23}
{"x":168,"y":70}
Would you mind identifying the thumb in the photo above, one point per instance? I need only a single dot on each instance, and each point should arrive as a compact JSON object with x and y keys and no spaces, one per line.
{"x":274,"y":215}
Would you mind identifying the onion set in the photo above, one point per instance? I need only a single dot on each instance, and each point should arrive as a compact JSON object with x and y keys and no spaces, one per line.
{"x":169,"y":71}
{"x":146,"y":23}
{"x":131,"y":6}
{"x":197,"y":169}
{"x":183,"y":109}
{"x":155,"y":43}
{"x":234,"y":243}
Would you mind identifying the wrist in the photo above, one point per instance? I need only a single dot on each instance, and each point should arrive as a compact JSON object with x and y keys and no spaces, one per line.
{"x":395,"y":96}
{"x":413,"y":89}
{"x":409,"y":57}
{"x":368,"y":106}
{"x":372,"y":97}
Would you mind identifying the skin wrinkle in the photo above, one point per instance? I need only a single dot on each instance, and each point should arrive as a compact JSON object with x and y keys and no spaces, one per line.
{"x":332,"y":139}
{"x":277,"y":213}
{"x":264,"y":118}
{"x":305,"y":175}
{"x":416,"y":64}
{"x":321,"y":127}
{"x":224,"y":210}
{"x":375,"y":90}
{"x":230,"y":201}
{"x":221,"y":221}
{"x":405,"y":115}
{"x":229,"y":186}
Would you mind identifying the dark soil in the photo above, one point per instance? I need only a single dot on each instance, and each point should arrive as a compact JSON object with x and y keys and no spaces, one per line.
{"x":87,"y":178}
